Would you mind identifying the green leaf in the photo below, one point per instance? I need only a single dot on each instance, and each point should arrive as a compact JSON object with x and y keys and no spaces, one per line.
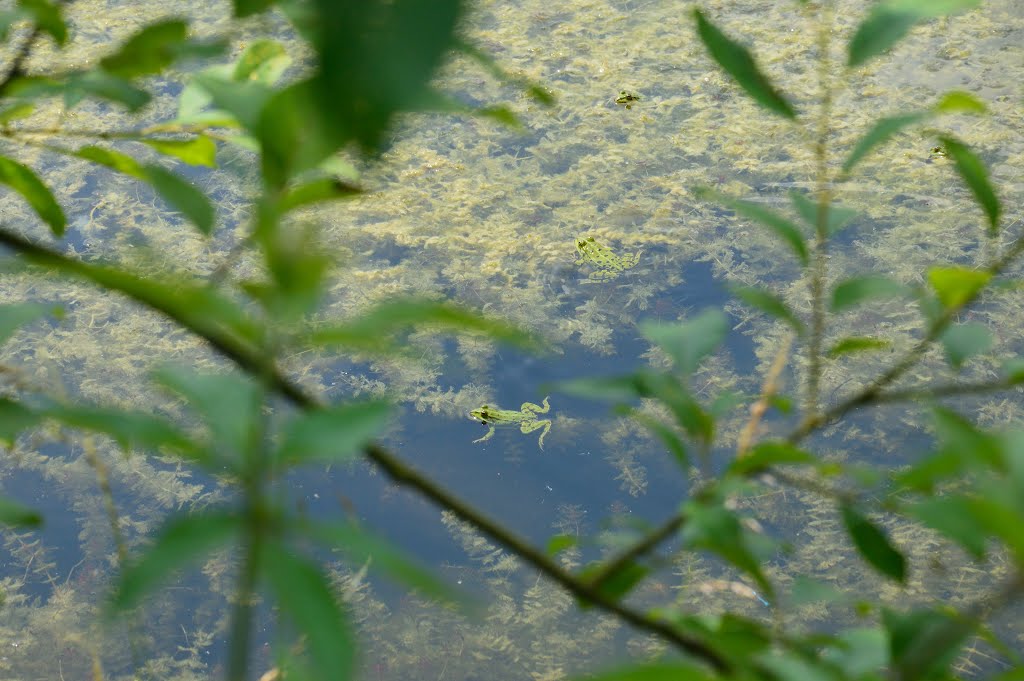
{"x":293,"y":134}
{"x":767,"y":455}
{"x":244,"y":101}
{"x":179,"y":543}
{"x":1013,"y":370}
{"x":15,"y":315}
{"x":780,"y":226}
{"x":963,"y":341}
{"x":717,"y":529}
{"x":688,"y":343}
{"x":561,"y":542}
{"x":889,"y":21}
{"x":48,"y":17}
{"x":953,"y":517}
{"x":228,"y":403}
{"x":501,"y":114}
{"x":958,"y":101}
{"x":22,"y":180}
{"x":317,"y":191}
{"x":880,"y":133}
{"x":770,"y":304}
{"x":377,"y":58}
{"x":806,"y":590}
{"x":149,"y":51}
{"x":687,"y":411}
{"x":852,"y":344}
{"x":976,"y":447}
{"x":332,"y":434}
{"x":247,"y":8}
{"x":263,"y":61}
{"x":788,"y":666}
{"x":973,"y":172}
{"x":104,"y":86}
{"x":663,"y":432}
{"x":927,"y":9}
{"x":923,"y":643}
{"x":14,"y":418}
{"x":618,"y":583}
{"x":956,"y":286}
{"x":738,"y":62}
{"x":861,"y":653}
{"x":654,"y":671}
{"x":857,"y":290}
{"x":533,"y":90}
{"x":16,"y":112}
{"x":177,"y":192}
{"x":609,"y":389}
{"x":882,"y":29}
{"x":182,"y":196}
{"x":13,"y":514}
{"x":1002,"y":520}
{"x":838,"y":216}
{"x":306,"y":597}
{"x":367,"y":331}
{"x":198,"y":151}
{"x":872,"y":543}
{"x":131,"y":429}
{"x":195,"y":305}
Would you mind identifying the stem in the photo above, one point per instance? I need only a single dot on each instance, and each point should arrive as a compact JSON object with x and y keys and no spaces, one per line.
{"x":819,"y":253}
{"x":241,"y":614}
{"x":873,"y":390}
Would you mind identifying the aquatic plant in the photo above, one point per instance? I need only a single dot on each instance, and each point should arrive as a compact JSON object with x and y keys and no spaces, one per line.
{"x":259,"y":312}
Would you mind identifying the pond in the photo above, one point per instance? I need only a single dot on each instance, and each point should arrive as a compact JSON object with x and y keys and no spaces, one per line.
{"x":465,"y":209}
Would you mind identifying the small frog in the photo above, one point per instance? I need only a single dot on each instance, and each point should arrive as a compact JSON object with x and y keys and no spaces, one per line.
{"x":525,"y":418}
{"x":936,"y":153}
{"x":628,"y":98}
{"x":607,"y":263}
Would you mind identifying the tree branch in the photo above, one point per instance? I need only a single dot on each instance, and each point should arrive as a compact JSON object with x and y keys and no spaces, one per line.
{"x":248,"y":359}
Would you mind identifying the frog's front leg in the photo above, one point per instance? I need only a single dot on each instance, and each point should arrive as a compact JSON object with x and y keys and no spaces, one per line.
{"x":530,"y":426}
{"x":529,"y":407}
{"x":490,"y":433}
{"x":632,"y":260}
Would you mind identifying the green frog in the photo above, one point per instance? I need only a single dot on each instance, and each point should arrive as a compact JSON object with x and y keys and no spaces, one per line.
{"x":607,"y":263}
{"x":525,"y":418}
{"x":628,"y":98}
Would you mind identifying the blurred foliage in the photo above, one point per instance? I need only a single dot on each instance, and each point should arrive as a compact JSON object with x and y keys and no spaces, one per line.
{"x":303,"y":114}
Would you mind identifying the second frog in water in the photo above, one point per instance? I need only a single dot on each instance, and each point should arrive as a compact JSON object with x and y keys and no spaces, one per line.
{"x":607,"y":263}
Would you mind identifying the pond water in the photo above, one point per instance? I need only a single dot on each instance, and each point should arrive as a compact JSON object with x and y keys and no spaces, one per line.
{"x":488,"y":216}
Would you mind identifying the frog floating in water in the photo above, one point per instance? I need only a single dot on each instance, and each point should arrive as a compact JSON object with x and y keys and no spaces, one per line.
{"x":607,"y":263}
{"x":627,"y":98}
{"x":525,"y":418}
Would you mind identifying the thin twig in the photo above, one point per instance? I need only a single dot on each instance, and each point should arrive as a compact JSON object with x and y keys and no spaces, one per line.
{"x":768,"y":391}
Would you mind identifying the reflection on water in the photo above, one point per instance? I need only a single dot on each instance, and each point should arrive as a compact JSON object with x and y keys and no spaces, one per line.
{"x":489,"y":217}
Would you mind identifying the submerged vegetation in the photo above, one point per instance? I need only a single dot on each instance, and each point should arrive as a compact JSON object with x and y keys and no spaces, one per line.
{"x":240,"y":239}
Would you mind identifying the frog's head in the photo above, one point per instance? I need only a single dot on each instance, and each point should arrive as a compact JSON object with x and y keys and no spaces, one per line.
{"x":583,"y":244}
{"x":481,"y":414}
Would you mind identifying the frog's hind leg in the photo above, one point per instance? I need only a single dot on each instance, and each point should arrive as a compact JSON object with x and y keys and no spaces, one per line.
{"x":530,"y":426}
{"x":536,"y":408}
